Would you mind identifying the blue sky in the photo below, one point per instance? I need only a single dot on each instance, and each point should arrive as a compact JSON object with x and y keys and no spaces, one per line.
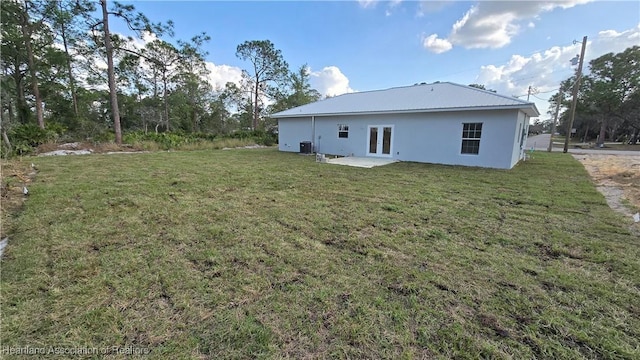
{"x":368,"y":45}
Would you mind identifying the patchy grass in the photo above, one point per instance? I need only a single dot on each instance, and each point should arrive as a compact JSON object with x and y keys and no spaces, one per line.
{"x":14,"y":175}
{"x":218,"y":144}
{"x":147,"y":145}
{"x":621,"y":146}
{"x":261,"y":254}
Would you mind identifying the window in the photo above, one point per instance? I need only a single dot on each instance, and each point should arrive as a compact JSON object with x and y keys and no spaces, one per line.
{"x":471,"y":138}
{"x":343,"y":131}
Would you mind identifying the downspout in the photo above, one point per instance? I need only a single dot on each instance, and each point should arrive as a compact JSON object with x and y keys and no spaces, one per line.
{"x":524,"y":137}
{"x":313,"y":133}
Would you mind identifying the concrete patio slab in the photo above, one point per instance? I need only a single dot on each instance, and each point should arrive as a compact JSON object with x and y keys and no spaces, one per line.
{"x":363,"y":162}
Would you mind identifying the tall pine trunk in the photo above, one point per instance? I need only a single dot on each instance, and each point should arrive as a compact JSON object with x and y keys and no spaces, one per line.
{"x":603,"y":131}
{"x":72,"y":83}
{"x":164,"y":98}
{"x":21,"y":103}
{"x":113,"y":95}
{"x":26,"y":34}
{"x":255,"y":106}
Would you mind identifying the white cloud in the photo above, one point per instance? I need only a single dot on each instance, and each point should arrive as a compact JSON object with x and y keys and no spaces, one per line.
{"x":430,"y":6}
{"x":545,"y":70}
{"x":493,"y":24}
{"x":628,"y":34}
{"x":220,"y":75}
{"x":371,"y":4}
{"x":367,"y":3}
{"x":330,"y":81}
{"x":435,"y":44}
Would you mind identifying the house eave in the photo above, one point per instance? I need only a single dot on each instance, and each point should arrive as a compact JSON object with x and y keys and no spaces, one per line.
{"x":531,"y":110}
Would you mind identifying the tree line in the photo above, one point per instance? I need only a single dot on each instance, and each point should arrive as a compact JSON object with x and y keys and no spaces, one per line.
{"x":608,"y":106}
{"x":64,"y":72}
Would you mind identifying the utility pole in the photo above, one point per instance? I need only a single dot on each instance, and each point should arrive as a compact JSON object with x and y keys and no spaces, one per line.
{"x":528,"y":92}
{"x":576,"y":87}
{"x":555,"y":119}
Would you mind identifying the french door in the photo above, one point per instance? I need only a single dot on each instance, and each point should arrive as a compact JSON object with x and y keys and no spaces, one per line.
{"x":380,"y":140}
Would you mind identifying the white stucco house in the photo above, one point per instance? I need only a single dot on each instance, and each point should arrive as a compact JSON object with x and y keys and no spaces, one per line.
{"x":443,"y":123}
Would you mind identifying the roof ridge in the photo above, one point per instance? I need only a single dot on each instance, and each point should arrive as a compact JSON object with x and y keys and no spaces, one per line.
{"x":417,"y":96}
{"x":489,"y":92}
{"x":402,"y":87}
{"x":377,"y":90}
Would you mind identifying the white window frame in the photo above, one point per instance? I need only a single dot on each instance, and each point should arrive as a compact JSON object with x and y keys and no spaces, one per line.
{"x":471,"y":136}
{"x":343,"y":129}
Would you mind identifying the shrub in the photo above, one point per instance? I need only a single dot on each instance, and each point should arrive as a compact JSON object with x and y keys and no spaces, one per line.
{"x":103,"y":136}
{"x":25,"y":138}
{"x":184,"y":141}
{"x":261,"y":137}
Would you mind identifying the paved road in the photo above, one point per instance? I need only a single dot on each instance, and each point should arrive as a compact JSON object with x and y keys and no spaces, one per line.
{"x":541,"y":142}
{"x":538,"y":142}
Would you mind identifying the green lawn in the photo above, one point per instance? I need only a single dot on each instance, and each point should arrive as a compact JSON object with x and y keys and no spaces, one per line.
{"x":261,"y":254}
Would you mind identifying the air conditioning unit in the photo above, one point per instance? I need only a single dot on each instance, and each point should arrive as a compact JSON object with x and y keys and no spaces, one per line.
{"x":305,"y":147}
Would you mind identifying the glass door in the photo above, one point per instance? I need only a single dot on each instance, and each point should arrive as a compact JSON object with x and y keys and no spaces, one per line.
{"x":386,"y":140}
{"x":373,"y":140}
{"x":380,"y":140}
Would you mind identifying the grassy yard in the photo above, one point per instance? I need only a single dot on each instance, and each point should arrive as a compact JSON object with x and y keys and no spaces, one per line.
{"x":260,"y":254}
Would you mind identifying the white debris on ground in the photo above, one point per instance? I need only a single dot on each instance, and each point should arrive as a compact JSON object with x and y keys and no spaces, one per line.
{"x":125,"y":152}
{"x":67,"y":152}
{"x":3,"y":244}
{"x":255,"y":146}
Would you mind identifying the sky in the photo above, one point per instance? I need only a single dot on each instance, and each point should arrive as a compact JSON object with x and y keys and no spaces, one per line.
{"x":366,"y":45}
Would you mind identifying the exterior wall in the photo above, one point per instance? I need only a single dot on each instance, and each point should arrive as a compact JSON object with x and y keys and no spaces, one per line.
{"x":520,"y":138}
{"x":291,"y":132}
{"x":328,"y":142}
{"x":426,"y":137}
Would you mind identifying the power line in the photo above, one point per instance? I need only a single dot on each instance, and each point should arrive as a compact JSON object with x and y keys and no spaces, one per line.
{"x":544,"y":92}
{"x":539,"y":98}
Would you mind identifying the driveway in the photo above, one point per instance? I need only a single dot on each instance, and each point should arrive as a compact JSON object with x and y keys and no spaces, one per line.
{"x":538,"y":142}
{"x":616,"y":174}
{"x":541,"y":143}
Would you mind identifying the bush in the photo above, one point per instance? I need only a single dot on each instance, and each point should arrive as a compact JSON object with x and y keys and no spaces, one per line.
{"x":103,"y":136}
{"x":261,"y":137}
{"x":26,"y":138}
{"x":30,"y":135}
{"x":181,"y":140}
{"x":167,"y":140}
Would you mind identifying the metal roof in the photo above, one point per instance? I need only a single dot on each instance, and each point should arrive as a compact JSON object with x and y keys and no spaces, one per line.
{"x":439,"y":96}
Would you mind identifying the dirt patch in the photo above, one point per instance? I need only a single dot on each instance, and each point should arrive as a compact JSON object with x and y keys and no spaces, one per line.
{"x":617,"y":177}
{"x":85,"y":148}
{"x":15,"y":178}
